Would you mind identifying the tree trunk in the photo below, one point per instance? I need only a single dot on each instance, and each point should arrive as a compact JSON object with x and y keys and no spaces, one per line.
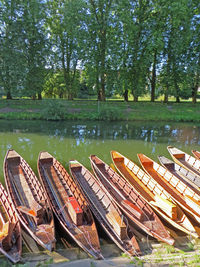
{"x":70,"y":96}
{"x":166,"y":97}
{"x":135,"y":98}
{"x":39,"y":96}
{"x":126,"y":95}
{"x":194,"y":94}
{"x":102,"y":89}
{"x":153,"y":79}
{"x":9,"y":96}
{"x":178,"y":99}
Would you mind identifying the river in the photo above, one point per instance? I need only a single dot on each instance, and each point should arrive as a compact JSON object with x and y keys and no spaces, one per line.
{"x":79,"y":139}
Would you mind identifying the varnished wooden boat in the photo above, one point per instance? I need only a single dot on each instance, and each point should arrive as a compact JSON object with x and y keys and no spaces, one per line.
{"x":29,"y":200}
{"x":196,"y":154}
{"x":179,"y":191}
{"x":130,"y":201}
{"x":105,"y":210}
{"x":10,"y":230}
{"x":68,"y":204}
{"x":189,"y":162}
{"x":159,"y":199}
{"x":181,"y":172}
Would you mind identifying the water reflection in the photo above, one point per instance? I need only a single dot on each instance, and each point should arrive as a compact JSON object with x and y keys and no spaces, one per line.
{"x":77,"y":140}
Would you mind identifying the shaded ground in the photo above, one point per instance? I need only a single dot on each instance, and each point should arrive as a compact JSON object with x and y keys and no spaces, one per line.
{"x":186,"y":252}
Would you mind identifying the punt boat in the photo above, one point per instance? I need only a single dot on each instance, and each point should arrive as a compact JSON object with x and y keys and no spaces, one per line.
{"x":187,"y":161}
{"x":69,"y":204}
{"x":130,"y":201}
{"x":105,"y":210}
{"x":159,"y":199}
{"x":29,"y":199}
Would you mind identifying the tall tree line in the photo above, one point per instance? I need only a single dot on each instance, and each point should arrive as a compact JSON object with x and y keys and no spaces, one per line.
{"x":106,"y":47}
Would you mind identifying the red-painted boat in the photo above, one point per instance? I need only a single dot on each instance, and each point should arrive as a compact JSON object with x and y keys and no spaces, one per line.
{"x":69,"y":204}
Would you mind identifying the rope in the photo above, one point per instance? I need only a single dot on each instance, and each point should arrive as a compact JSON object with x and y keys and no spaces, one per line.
{"x":87,"y":239}
{"x":127,"y":225}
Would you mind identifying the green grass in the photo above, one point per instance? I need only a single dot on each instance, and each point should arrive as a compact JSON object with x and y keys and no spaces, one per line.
{"x":61,"y":109}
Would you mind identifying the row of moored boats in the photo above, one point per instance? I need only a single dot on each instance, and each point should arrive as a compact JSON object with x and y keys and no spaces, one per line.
{"x":122,"y":199}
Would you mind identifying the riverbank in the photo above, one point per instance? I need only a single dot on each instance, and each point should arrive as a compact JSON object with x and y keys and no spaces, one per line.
{"x":185,"y":252}
{"x":57,"y":109}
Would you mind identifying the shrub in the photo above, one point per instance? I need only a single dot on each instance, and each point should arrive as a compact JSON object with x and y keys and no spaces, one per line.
{"x":54,"y":111}
{"x":109,"y":114}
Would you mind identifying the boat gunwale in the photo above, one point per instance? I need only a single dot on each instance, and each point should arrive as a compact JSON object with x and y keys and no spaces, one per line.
{"x":51,"y":245}
{"x":176,"y":223}
{"x":138,"y":222}
{"x":91,"y":224}
{"x":104,"y":223}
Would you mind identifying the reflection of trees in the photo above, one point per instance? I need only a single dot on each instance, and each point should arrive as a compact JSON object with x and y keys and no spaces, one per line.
{"x":82,"y":131}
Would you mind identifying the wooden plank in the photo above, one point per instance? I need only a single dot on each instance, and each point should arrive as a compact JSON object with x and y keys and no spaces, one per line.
{"x":30,"y":243}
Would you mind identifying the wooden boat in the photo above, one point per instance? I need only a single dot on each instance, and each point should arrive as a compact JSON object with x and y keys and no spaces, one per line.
{"x":105,"y":210}
{"x":68,"y":204}
{"x":196,"y":154}
{"x":159,"y":199}
{"x":29,"y":200}
{"x":179,"y":191}
{"x":180,"y":172}
{"x":10,"y":230}
{"x":130,"y":201}
{"x":189,"y":162}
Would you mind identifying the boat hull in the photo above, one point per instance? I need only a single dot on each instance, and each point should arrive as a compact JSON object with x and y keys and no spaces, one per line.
{"x":29,"y":200}
{"x":68,"y":204}
{"x":130,"y":201}
{"x":104,"y":209}
{"x":148,"y":188}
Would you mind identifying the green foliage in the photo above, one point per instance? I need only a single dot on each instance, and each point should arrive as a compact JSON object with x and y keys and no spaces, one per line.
{"x":54,"y":111}
{"x":83,"y":47}
{"x":109,"y":114}
{"x":169,"y":249}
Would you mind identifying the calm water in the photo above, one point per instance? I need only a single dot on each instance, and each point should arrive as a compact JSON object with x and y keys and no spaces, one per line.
{"x":77,"y":140}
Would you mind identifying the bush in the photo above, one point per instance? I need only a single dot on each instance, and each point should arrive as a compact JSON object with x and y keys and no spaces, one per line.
{"x":54,"y":111}
{"x":109,"y":114}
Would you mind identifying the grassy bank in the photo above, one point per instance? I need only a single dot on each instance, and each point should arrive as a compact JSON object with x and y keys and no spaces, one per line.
{"x":57,"y":109}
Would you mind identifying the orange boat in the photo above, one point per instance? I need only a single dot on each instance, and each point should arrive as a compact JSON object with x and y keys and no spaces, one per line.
{"x":181,"y":193}
{"x":29,"y":199}
{"x":180,"y":172}
{"x":105,"y":210}
{"x":68,"y":204}
{"x":196,"y":154}
{"x":156,"y":195}
{"x":190,"y":163}
{"x":10,"y":230}
{"x":130,"y":201}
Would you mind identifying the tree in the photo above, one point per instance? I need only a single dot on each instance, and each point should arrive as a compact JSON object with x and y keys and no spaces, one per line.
{"x":133,"y":17}
{"x":99,"y":27}
{"x":66,"y":33}
{"x":177,"y":21}
{"x":11,"y":53}
{"x":35,"y":46}
{"x":193,"y":55}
